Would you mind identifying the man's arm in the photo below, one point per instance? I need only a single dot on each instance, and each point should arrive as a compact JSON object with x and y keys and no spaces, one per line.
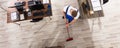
{"x":64,"y":17}
{"x":72,"y":22}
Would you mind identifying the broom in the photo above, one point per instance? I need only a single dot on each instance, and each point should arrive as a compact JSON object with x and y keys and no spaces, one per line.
{"x":69,"y":38}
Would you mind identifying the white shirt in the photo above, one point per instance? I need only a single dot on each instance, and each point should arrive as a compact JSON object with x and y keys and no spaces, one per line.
{"x":69,"y":13}
{"x":45,"y":1}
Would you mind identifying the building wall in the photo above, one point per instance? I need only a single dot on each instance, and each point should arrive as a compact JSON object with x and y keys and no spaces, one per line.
{"x":100,"y":32}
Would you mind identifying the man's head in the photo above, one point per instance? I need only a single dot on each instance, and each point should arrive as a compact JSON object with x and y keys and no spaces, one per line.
{"x":73,"y":13}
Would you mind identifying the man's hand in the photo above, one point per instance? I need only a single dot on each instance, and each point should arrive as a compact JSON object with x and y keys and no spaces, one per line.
{"x":67,"y":24}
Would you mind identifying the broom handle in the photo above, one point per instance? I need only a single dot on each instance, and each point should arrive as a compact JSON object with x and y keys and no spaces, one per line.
{"x":68,"y":31}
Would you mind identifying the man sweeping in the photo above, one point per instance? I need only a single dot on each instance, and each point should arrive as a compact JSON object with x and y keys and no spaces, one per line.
{"x":70,"y":14}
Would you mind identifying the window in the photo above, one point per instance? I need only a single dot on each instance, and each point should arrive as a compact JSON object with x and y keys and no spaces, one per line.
{"x":14,"y":16}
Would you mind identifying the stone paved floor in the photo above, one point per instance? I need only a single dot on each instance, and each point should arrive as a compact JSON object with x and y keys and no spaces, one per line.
{"x":87,"y":33}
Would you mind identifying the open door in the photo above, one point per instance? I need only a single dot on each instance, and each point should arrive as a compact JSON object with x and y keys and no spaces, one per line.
{"x":25,"y":10}
{"x":90,"y":9}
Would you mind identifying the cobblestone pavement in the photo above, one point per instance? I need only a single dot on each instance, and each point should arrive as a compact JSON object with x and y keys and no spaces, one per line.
{"x":100,"y":32}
